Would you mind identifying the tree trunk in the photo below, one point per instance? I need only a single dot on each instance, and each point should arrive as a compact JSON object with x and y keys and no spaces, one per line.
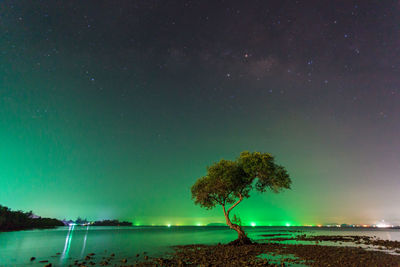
{"x":242,"y":237}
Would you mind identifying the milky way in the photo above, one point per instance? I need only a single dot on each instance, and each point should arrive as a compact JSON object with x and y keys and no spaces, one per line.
{"x":113,"y":109}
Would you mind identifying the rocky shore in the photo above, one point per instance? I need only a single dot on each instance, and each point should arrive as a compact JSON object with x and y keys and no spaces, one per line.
{"x":351,"y":251}
{"x":358,"y":240}
{"x":263,"y":254}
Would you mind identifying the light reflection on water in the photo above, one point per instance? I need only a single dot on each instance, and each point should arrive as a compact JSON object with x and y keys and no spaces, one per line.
{"x":84,"y":242}
{"x":67,"y":245}
{"x":75,"y":242}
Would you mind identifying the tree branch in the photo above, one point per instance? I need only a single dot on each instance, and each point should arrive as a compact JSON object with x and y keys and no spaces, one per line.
{"x":237,"y":202}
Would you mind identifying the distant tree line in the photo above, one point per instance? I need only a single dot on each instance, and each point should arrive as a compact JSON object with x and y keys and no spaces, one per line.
{"x":111,"y":223}
{"x":19,"y":220}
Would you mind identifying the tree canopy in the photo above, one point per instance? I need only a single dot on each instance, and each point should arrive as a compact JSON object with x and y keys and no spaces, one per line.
{"x":227,"y":180}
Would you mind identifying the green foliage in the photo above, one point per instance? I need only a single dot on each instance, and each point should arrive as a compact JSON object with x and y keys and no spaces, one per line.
{"x":228,"y":180}
{"x":237,"y":220}
{"x":262,"y":166}
{"x":18,"y":220}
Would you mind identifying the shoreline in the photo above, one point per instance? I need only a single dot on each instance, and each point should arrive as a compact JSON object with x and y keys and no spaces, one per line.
{"x":263,"y":252}
{"x":352,"y":251}
{"x":273,"y":254}
{"x":290,"y":229}
{"x":30,"y":228}
{"x":303,"y":249}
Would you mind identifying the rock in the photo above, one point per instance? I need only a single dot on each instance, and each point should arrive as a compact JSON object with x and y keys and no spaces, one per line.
{"x":48,"y":265}
{"x":104,"y":263}
{"x":124,"y":260}
{"x":246,"y":255}
{"x":43,"y":261}
{"x":137,"y":255}
{"x":33,"y":258}
{"x":112,"y":255}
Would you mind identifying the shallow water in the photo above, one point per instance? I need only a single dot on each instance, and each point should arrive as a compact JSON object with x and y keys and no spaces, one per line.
{"x":277,"y":259}
{"x":16,"y":248}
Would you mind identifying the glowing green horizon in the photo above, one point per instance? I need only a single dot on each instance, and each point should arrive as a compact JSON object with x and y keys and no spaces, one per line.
{"x":116,"y":114}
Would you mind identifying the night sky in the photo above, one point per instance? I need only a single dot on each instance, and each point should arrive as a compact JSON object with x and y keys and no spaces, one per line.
{"x":113,"y":109}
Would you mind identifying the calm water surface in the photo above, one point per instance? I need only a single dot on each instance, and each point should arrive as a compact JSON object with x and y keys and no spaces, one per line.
{"x":63,"y":245}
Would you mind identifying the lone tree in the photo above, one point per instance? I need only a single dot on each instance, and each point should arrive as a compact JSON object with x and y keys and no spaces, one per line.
{"x":229,"y":182}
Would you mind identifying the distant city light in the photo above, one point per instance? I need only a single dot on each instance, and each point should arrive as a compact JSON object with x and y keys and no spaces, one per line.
{"x":383,"y":225}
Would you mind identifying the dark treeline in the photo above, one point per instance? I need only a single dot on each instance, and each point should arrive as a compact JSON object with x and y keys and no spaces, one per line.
{"x":111,"y":223}
{"x":19,"y":220}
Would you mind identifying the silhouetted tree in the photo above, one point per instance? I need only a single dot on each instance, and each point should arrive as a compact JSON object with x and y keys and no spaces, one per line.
{"x":18,"y":220}
{"x":229,"y":182}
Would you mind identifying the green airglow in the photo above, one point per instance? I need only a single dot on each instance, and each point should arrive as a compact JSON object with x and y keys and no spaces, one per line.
{"x":121,"y":127}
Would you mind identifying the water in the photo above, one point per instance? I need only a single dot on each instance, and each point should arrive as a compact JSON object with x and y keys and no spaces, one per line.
{"x":63,"y":245}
